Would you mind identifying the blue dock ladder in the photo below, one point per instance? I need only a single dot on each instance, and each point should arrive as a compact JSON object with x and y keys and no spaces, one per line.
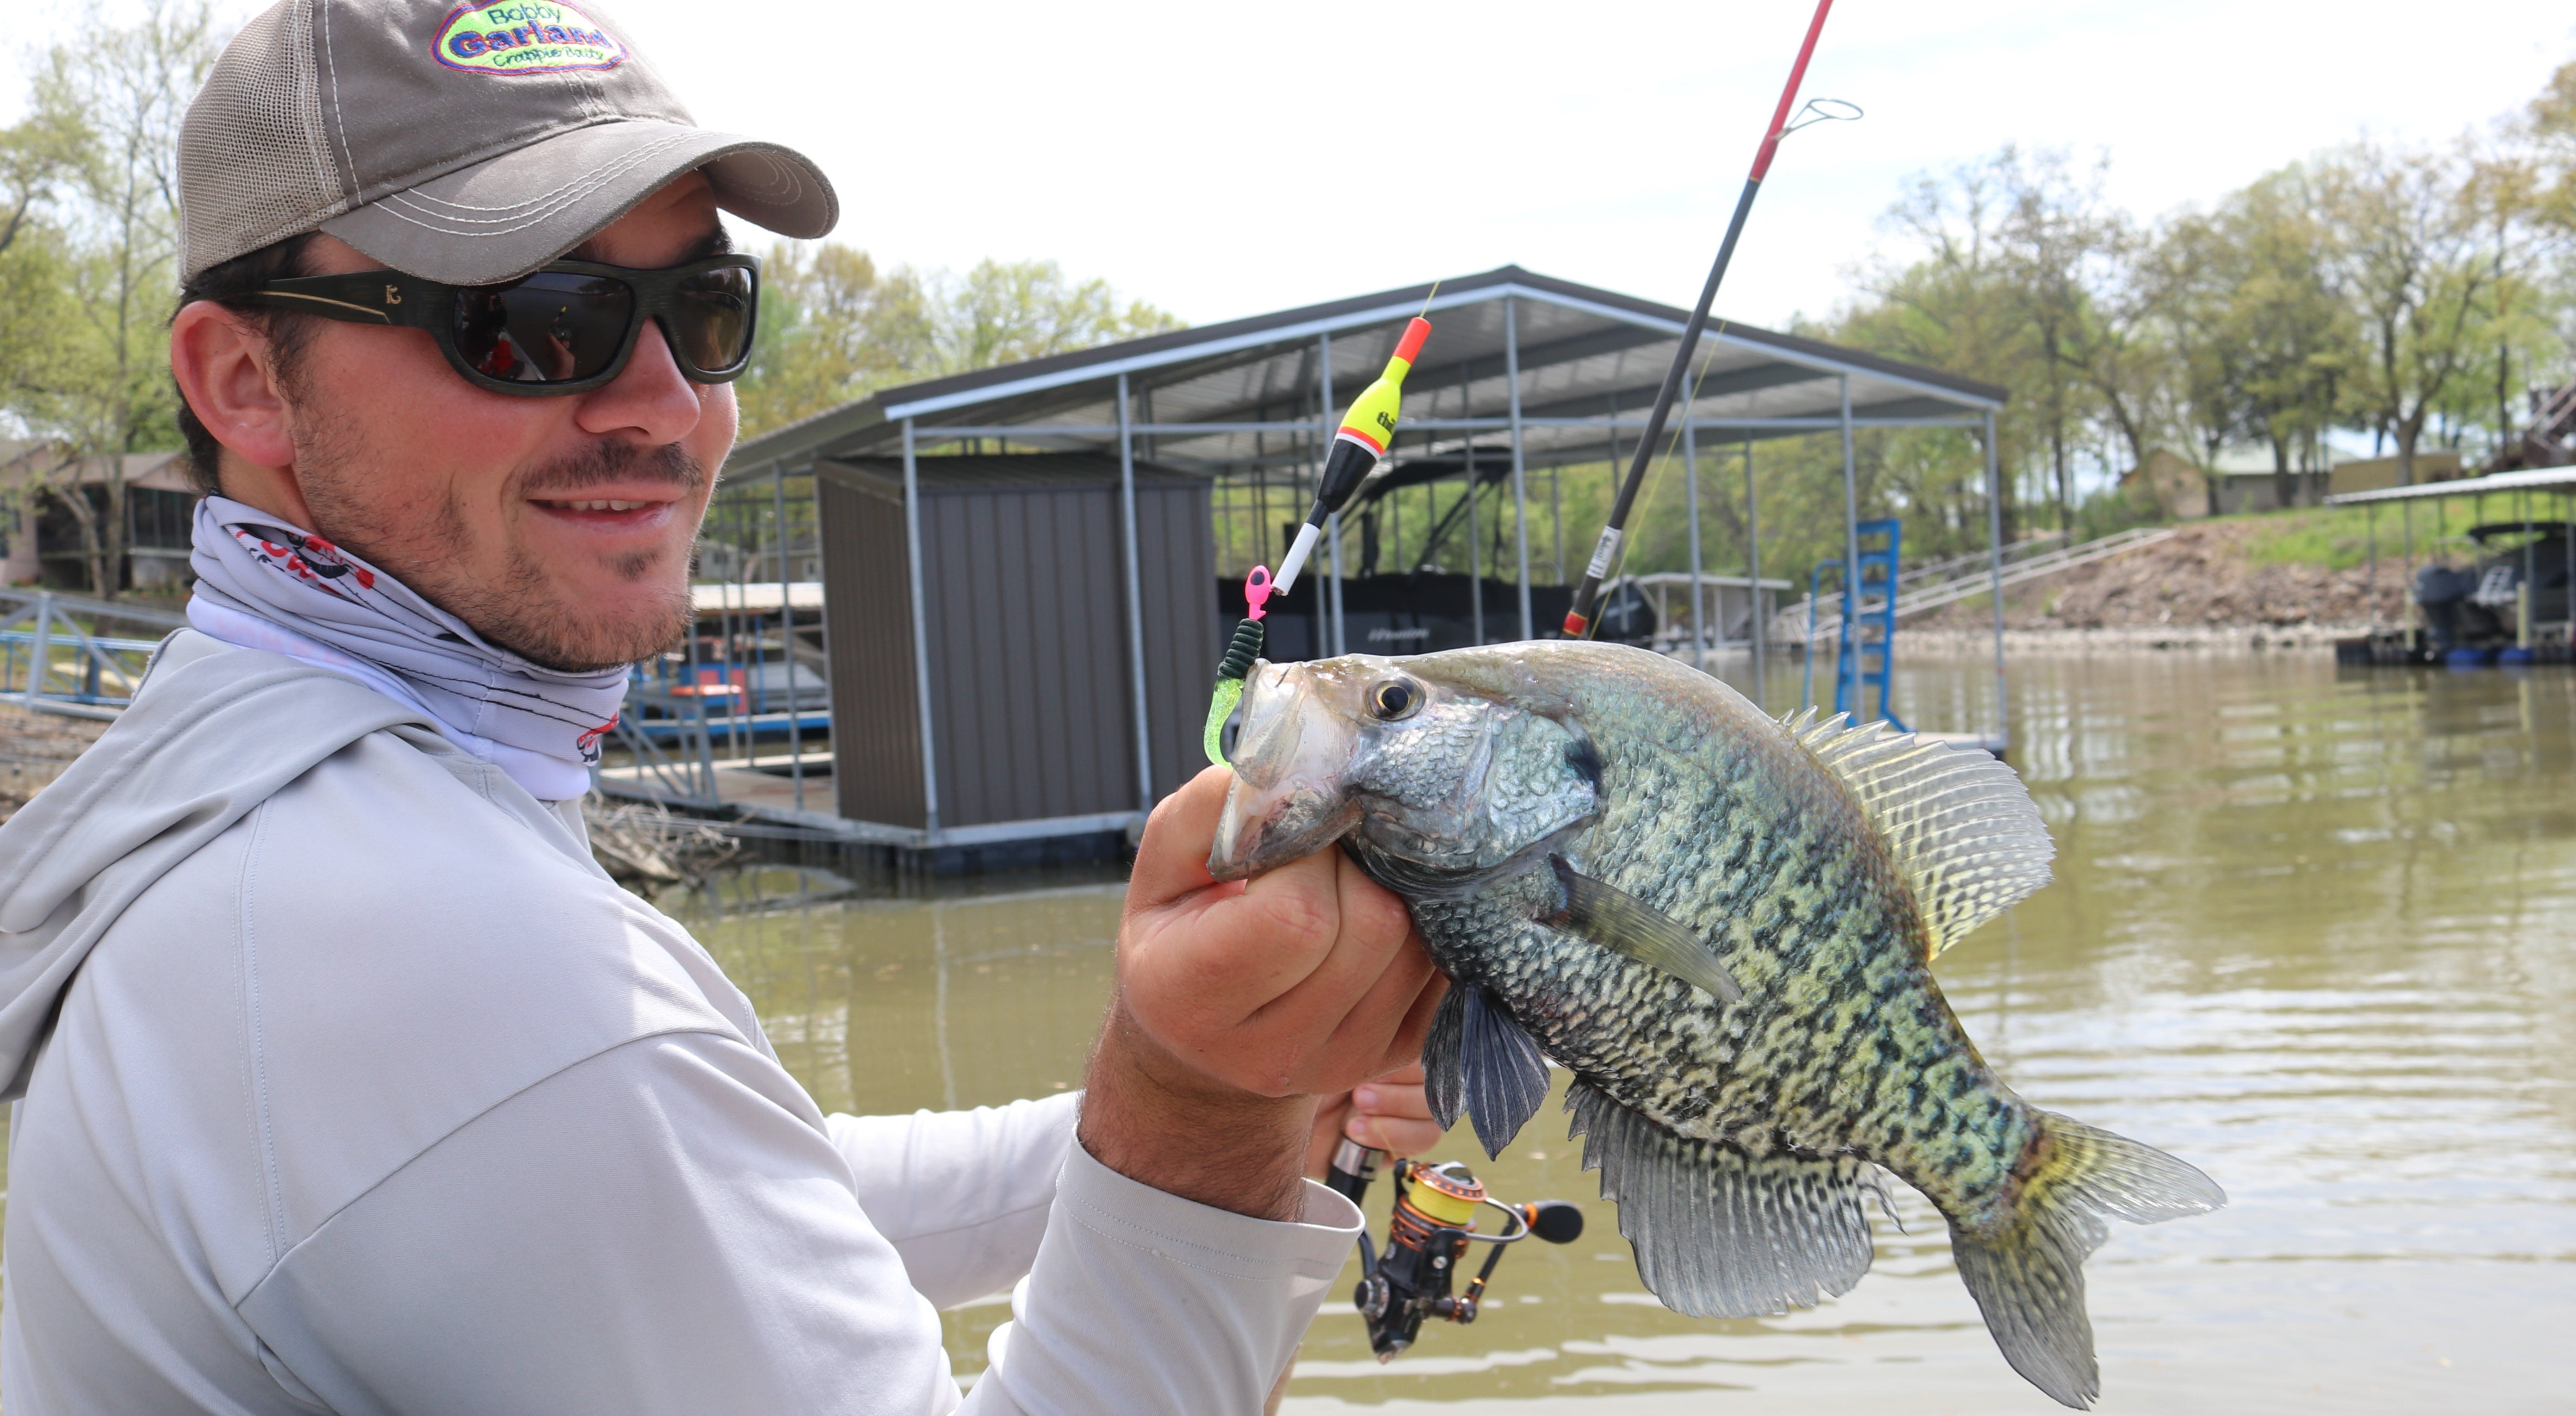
{"x":1867,"y":657}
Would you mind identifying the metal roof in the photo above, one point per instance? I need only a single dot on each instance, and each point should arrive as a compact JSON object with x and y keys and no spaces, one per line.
{"x":1245,"y":393}
{"x":2537,"y":479}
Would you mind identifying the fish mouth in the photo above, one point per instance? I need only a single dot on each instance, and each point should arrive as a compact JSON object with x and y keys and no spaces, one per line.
{"x":1288,"y":800}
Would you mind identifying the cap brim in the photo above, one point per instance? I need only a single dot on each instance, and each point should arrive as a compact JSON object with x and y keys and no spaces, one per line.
{"x":505,"y":216}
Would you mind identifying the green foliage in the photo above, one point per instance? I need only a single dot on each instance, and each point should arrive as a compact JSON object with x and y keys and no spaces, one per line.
{"x":833,"y":328}
{"x":2410,"y":295}
{"x":2343,"y":538}
{"x":89,"y":251}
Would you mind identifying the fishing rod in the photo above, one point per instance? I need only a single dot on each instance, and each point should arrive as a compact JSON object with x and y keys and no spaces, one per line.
{"x":1366,"y":432}
{"x":1578,"y":620}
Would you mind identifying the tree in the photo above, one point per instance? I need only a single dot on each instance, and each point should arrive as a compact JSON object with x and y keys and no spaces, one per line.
{"x":831,"y":329}
{"x":113,"y":102}
{"x":2054,"y":238}
{"x":1004,"y":312}
{"x":2409,"y":252}
{"x":1954,"y":306}
{"x":2263,"y":338}
{"x":834,"y":329}
{"x":2548,"y":127}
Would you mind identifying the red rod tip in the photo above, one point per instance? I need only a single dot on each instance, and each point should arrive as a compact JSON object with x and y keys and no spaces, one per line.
{"x":1575,"y":625}
{"x":1414,"y":334}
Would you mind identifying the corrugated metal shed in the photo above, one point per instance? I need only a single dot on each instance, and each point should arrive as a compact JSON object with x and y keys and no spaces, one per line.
{"x":1031,"y":679}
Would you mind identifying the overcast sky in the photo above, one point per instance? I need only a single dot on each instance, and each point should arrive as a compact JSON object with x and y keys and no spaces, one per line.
{"x":1224,"y":160}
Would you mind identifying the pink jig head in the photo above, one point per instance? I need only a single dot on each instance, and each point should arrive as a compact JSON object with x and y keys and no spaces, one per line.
{"x":1256,"y":590}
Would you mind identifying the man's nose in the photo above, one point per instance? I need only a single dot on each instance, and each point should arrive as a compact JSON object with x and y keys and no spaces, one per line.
{"x":650,"y":396}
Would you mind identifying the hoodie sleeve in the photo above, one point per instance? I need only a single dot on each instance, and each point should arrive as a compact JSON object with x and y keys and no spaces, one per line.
{"x":962,"y":1195}
{"x":658,"y":1229}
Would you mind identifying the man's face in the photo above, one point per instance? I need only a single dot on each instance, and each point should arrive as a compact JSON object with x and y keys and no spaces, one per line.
{"x":559,"y":528}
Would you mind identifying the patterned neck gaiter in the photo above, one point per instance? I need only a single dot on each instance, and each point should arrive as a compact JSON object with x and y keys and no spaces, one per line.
{"x":263,"y":584}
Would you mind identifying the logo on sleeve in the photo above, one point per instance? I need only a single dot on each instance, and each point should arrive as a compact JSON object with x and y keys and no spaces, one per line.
{"x":524,"y":37}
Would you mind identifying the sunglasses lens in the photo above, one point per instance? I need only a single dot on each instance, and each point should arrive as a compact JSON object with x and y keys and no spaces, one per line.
{"x":713,"y":324}
{"x":551,"y":327}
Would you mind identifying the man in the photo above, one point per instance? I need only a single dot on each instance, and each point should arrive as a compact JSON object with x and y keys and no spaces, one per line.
{"x":349,"y":1083}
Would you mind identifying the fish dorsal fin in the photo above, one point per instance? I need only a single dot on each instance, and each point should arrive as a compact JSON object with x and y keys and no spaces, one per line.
{"x":1959,"y":824}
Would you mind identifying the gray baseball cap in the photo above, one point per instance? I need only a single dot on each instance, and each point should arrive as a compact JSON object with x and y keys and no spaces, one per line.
{"x":469,"y":141}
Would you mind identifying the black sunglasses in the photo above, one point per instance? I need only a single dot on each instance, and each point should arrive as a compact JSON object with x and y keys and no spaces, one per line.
{"x":567,"y":327}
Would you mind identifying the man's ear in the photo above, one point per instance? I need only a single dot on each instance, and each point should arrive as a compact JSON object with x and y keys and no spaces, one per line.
{"x":223,"y":367}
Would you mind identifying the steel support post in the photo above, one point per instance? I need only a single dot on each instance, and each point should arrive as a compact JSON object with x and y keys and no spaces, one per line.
{"x":1520,"y":490}
{"x":1753,"y":572}
{"x":1699,"y":604}
{"x":1995,"y":581}
{"x":823,"y":623}
{"x":921,"y":627}
{"x":706,"y":756}
{"x":2529,"y":607}
{"x":787,"y":632}
{"x":2370,"y":542}
{"x":1328,"y":620}
{"x":41,"y":663}
{"x":1133,"y":553}
{"x":1848,"y":660}
{"x":1475,"y":549}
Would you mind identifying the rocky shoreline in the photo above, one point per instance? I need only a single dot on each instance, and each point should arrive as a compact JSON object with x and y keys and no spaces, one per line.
{"x":2213,"y":587}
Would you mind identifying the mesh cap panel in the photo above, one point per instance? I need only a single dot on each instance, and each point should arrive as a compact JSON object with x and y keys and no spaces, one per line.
{"x":255,"y":163}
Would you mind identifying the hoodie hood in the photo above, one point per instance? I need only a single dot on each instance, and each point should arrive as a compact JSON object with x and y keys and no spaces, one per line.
{"x":214,"y":731}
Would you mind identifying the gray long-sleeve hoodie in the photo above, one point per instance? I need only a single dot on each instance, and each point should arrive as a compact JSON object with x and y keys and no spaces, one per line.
{"x":350,"y":1083}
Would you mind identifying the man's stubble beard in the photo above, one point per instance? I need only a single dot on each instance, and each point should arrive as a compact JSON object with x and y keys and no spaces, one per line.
{"x":425,"y":548}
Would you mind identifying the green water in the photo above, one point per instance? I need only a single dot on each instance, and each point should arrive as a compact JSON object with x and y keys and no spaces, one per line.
{"x":2313,"y":931}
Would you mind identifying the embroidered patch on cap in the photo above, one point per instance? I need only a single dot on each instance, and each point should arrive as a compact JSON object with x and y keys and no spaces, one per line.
{"x":524,"y":37}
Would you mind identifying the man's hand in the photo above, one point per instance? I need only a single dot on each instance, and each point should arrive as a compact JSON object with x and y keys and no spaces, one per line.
{"x":1392,"y":1114}
{"x":1239,"y":1004}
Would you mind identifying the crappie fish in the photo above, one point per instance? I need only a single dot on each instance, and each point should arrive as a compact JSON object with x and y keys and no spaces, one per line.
{"x":1723,"y":925}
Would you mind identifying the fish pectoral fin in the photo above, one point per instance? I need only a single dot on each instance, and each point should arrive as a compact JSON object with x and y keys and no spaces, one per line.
{"x":1504,"y":1078}
{"x":1479,"y":1061}
{"x":1719,"y":1231}
{"x":1441,"y":1085}
{"x":1631,"y":928}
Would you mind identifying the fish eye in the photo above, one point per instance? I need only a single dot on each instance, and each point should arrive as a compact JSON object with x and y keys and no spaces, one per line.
{"x":1395,"y":698}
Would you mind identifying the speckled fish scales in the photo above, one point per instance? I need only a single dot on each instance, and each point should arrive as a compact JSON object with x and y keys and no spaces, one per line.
{"x":1723,"y":925}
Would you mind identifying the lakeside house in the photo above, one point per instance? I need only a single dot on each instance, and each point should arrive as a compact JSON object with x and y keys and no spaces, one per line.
{"x":2241,"y":479}
{"x":40,"y":538}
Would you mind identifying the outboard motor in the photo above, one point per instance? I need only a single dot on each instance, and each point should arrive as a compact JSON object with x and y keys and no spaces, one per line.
{"x":2444,"y":593}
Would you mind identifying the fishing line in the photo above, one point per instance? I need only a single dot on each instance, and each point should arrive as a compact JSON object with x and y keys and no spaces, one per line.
{"x":1655,"y":490}
{"x":1578,"y":620}
{"x":1366,"y":432}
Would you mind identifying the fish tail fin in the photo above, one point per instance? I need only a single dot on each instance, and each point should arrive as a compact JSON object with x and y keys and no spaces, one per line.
{"x":2028,"y":1274}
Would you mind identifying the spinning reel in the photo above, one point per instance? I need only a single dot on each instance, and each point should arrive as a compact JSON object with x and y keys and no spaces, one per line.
{"x":1426,"y":1238}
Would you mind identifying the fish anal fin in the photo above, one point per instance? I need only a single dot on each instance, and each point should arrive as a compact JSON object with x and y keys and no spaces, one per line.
{"x":2027,"y":1271}
{"x":1629,"y":927}
{"x":1504,"y":1077}
{"x":1720,"y":1232}
{"x":1958,"y":823}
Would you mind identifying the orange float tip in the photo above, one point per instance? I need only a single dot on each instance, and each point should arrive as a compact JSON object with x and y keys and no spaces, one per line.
{"x":1414,"y":334}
